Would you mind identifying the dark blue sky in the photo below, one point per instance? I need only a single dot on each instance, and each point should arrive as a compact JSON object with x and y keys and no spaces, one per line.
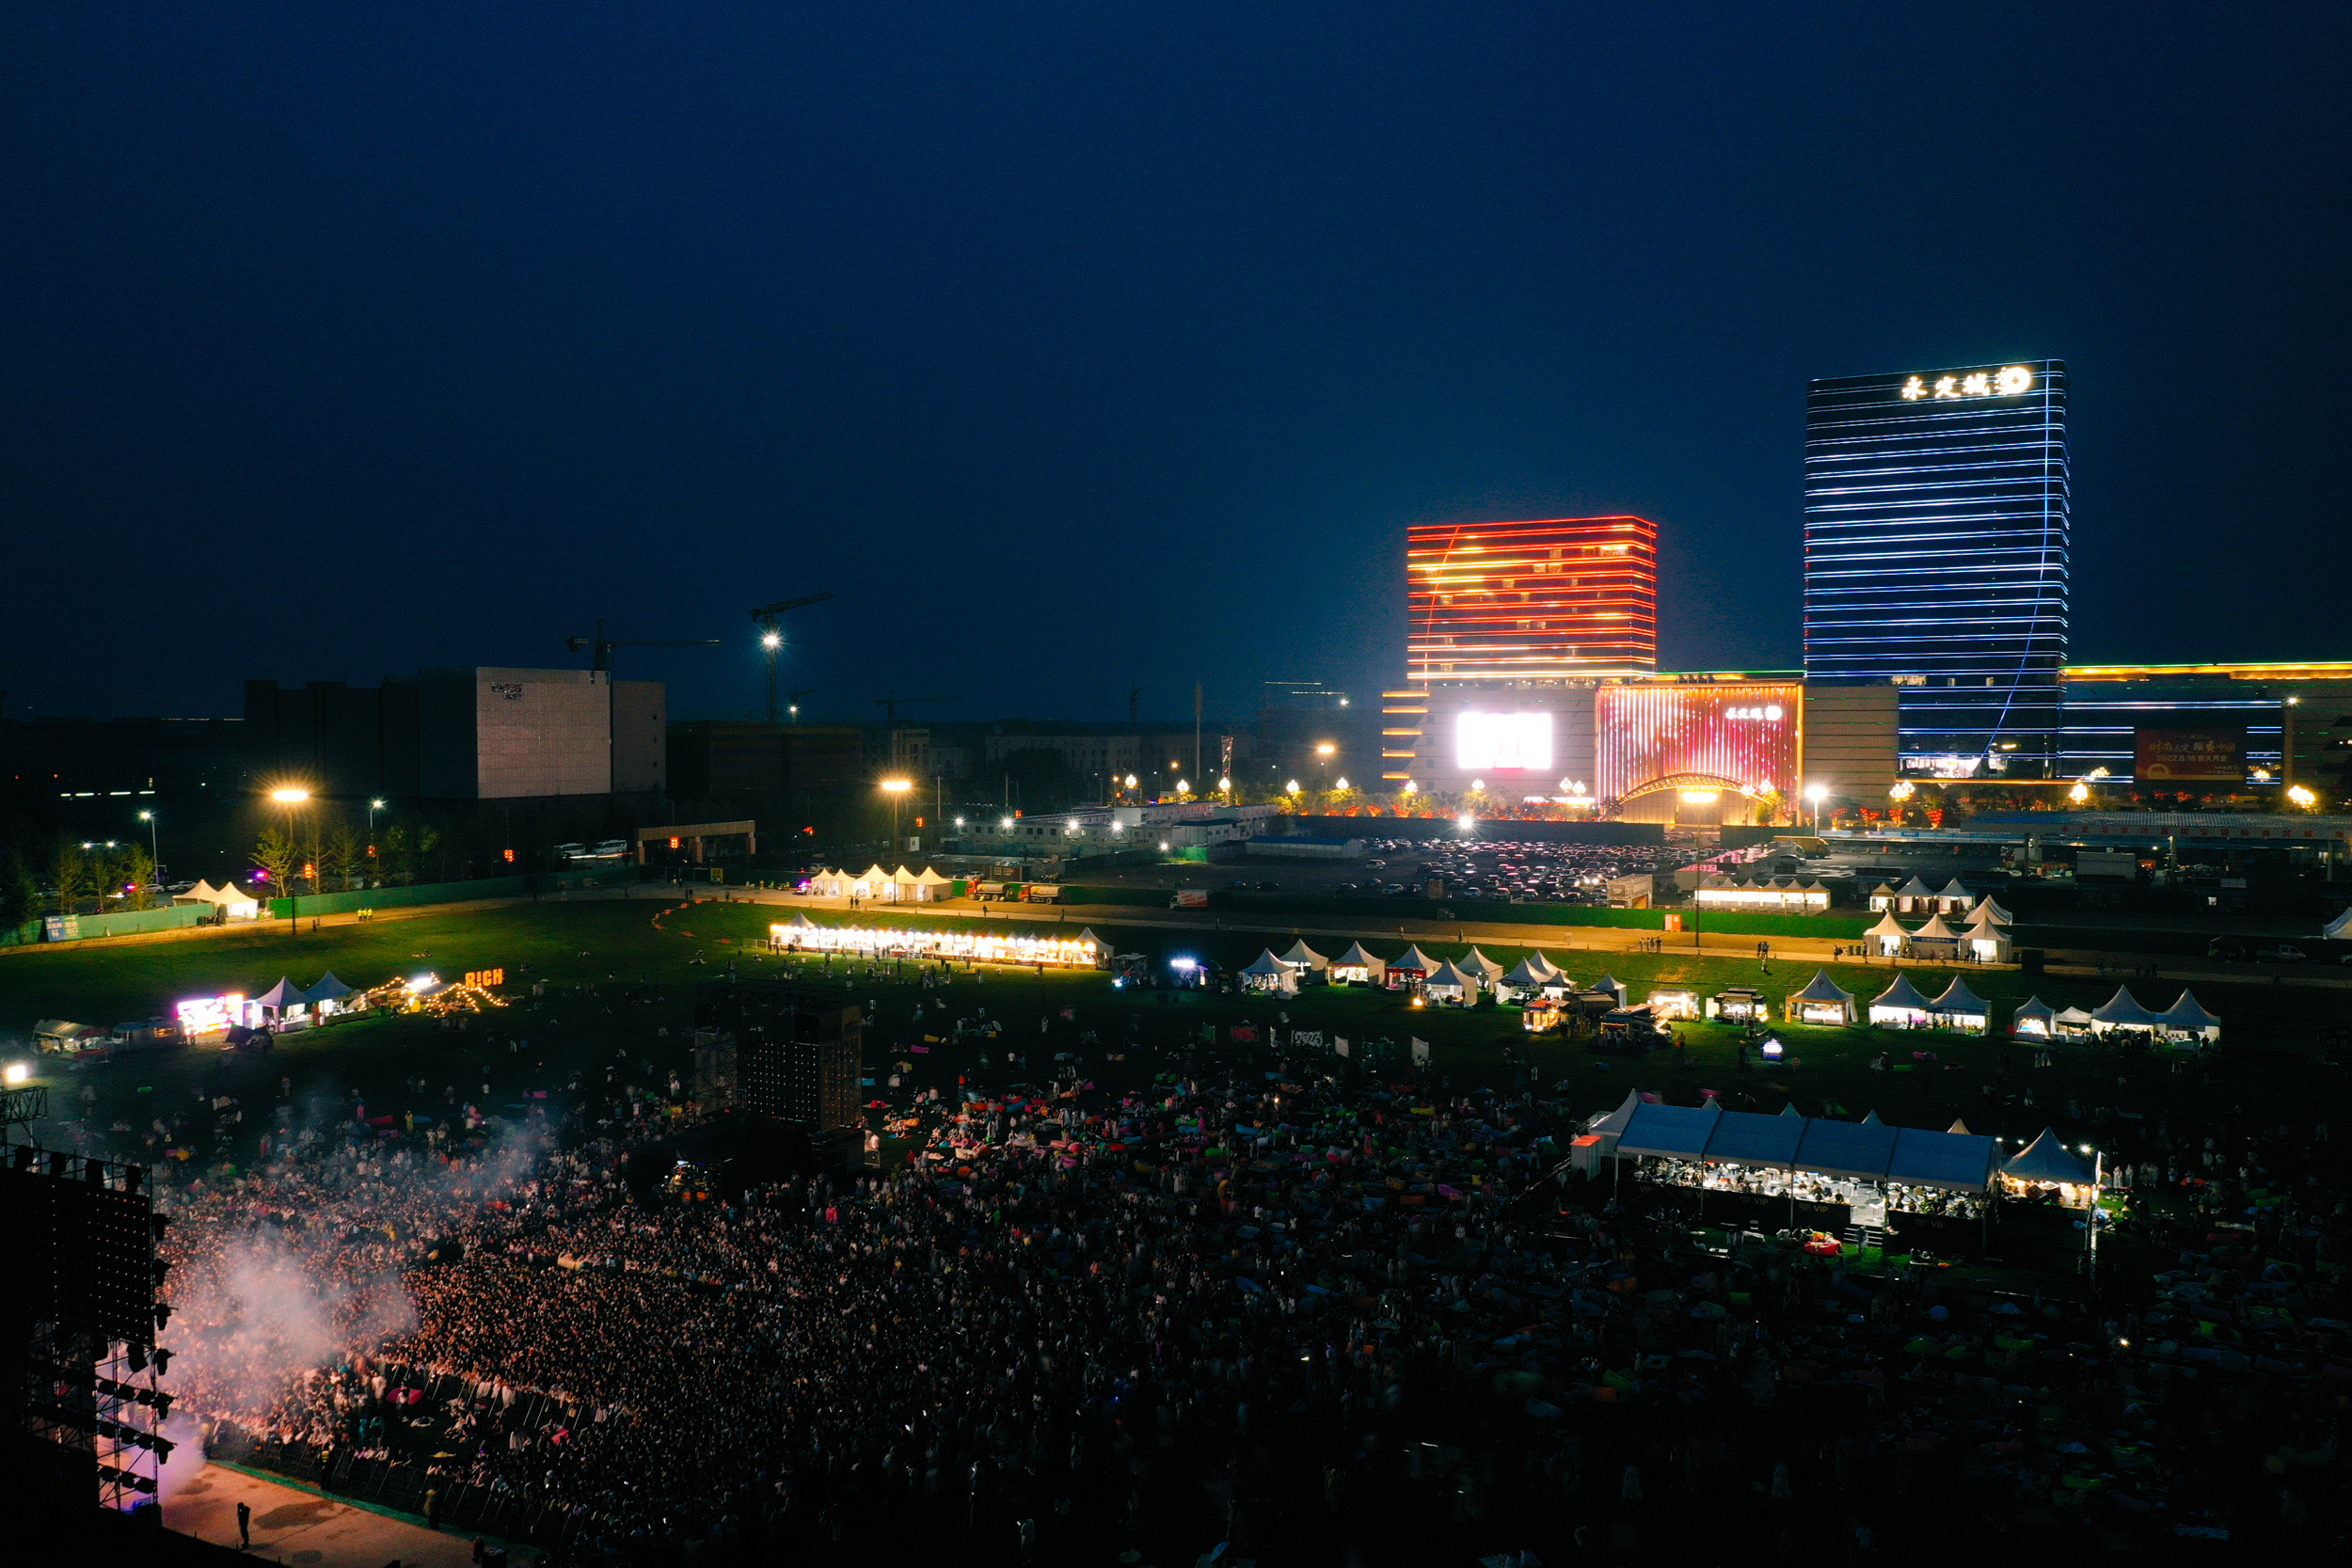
{"x":1076,"y":345}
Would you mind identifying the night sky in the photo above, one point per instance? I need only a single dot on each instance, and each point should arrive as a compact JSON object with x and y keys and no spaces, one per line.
{"x":1076,"y":346}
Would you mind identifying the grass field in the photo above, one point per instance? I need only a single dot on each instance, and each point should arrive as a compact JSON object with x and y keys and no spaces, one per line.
{"x":644,"y":973}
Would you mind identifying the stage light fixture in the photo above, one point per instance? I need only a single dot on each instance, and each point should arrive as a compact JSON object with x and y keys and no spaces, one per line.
{"x":163,"y":1363}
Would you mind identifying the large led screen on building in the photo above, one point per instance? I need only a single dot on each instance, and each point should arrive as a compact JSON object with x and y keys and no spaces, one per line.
{"x":2209,"y":755}
{"x":1737,"y":735}
{"x":1502,"y":742}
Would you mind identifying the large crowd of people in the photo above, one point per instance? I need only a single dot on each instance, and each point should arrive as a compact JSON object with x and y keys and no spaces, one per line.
{"x":1318,"y":1317}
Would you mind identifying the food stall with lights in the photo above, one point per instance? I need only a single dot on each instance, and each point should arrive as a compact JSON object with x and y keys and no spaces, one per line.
{"x":1823,"y":1001}
{"x":1356,"y":966}
{"x":1408,"y":970}
{"x":962,"y":946}
{"x":1674,"y":1002}
{"x":1739,"y":1004}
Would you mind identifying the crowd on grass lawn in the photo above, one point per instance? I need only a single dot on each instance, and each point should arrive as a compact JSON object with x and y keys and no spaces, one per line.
{"x":1321,"y":1316}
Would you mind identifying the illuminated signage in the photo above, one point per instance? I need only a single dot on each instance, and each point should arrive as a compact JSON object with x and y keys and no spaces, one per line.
{"x":1770,"y":713}
{"x":2007,"y":382}
{"x":479,"y":977}
{"x":210,"y":1015}
{"x":1502,"y":742}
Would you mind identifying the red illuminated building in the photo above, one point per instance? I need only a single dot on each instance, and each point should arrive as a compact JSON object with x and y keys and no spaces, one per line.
{"x":1564,"y":597}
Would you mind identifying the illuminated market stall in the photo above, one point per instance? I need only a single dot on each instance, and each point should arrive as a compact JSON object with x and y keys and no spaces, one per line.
{"x":1270,"y":974}
{"x":1962,"y":1010}
{"x":2034,"y":1019}
{"x":1823,"y":1001}
{"x":1902,"y":1006}
{"x":1870,"y":1168}
{"x":2185,"y":1019}
{"x":1887,"y":938}
{"x":1447,"y":983}
{"x":2046,"y":1171}
{"x":1408,"y":969}
{"x":1357,"y":967}
{"x":1083,"y":951}
{"x":2122,"y":1012}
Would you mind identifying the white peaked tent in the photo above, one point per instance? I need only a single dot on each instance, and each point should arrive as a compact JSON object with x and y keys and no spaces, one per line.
{"x":1883,"y":897}
{"x":801,"y":923}
{"x":1960,"y":1127}
{"x":2048,"y":1159}
{"x":1961,"y":1010}
{"x":2340,"y":929}
{"x":1305,"y":957}
{"x":1270,"y":974}
{"x":2033,"y":1019}
{"x":1530,"y":974}
{"x":1934,"y":931}
{"x":1900,"y":1003}
{"x":1449,"y":984}
{"x":1611,"y":983}
{"x":228,"y":898}
{"x":1987,"y":910}
{"x":280,"y":996}
{"x":2185,"y":1019}
{"x":2072,"y":1023}
{"x":1614,"y":1120}
{"x":1409,"y":967}
{"x":2121,"y":1011}
{"x":1954,"y":897}
{"x":1870,"y":1118}
{"x":1478,"y":965}
{"x":1356,"y":964}
{"x":1823,"y":1001}
{"x":1888,"y":937}
{"x":328,"y":989}
{"x":930,"y":886}
{"x":1907,"y":897}
{"x":1790,"y":1110}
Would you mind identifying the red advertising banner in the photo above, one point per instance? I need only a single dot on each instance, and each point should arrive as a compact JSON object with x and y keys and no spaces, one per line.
{"x":2208,"y":755}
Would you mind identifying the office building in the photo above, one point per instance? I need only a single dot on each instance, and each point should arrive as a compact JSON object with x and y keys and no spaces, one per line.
{"x":1935,"y":558}
{"x":1509,"y":626}
{"x":1561,"y":599}
{"x":2209,"y":728}
{"x":461,"y":734}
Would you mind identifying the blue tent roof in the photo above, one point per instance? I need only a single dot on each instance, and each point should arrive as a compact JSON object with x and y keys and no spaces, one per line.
{"x":1746,"y":1138}
{"x":1676,"y":1129}
{"x":1859,"y":1149}
{"x":1924,"y":1159}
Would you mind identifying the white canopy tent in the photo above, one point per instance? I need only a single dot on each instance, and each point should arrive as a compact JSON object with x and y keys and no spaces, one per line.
{"x":2048,"y":1160}
{"x":1823,"y":1001}
{"x":2072,"y":1023}
{"x":1358,"y":965}
{"x":1449,"y":984}
{"x":1961,"y":1010}
{"x":1887,"y":938}
{"x":1901,"y":1005}
{"x":234,"y":903}
{"x":1305,"y":957}
{"x":2340,"y":929}
{"x":2188,"y":1020}
{"x":1914,"y":897}
{"x":2121,"y":1011}
{"x":1269,"y":973}
{"x":1954,"y":897}
{"x":2033,"y":1019}
{"x":1882,"y":898}
{"x":1477,"y":964}
{"x":1410,"y":968}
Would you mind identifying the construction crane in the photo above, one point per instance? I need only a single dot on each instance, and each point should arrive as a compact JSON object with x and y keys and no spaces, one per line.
{"x":603,"y":646}
{"x":772,"y":636}
{"x":792,"y":701}
{"x":891,"y":705}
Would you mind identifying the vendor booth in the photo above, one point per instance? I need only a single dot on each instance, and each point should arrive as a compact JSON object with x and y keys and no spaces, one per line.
{"x":2123,"y":1013}
{"x":1902,"y":1006}
{"x":1866,"y":1167}
{"x":1633,"y":1028}
{"x":1540,"y":1015}
{"x":1611,"y":983}
{"x":2072,"y":1024}
{"x":1935,"y":939}
{"x":1882,"y":899}
{"x":2046,"y":1171}
{"x":1962,"y":1010}
{"x":1357,"y":967}
{"x":1448,"y":984}
{"x":2188,"y":1022}
{"x":1887,"y":938}
{"x":1954,"y":898}
{"x":1914,"y":897}
{"x":1479,"y":968}
{"x":2034,"y":1019}
{"x":1674,"y":1002}
{"x":1302,"y":956}
{"x":1532,"y":975}
{"x":1408,"y":969}
{"x":1823,"y":1001}
{"x":1739,"y":1004}
{"x":1270,"y":974}
{"x":1985,"y":939}
{"x":991,"y":945}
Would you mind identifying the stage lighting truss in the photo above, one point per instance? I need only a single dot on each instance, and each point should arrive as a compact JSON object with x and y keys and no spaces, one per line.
{"x":102,"y":1402}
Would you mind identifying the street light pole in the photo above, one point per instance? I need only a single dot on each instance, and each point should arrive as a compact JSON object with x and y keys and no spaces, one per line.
{"x":290,"y":798}
{"x":154,"y":845}
{"x":897,"y":789}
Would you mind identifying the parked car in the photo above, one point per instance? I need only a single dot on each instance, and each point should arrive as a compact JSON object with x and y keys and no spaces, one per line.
{"x":612,"y":847}
{"x":571,"y":851}
{"x":2286,"y":952}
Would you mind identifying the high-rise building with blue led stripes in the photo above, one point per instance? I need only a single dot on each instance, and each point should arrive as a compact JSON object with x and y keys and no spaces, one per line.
{"x":1935,"y":539}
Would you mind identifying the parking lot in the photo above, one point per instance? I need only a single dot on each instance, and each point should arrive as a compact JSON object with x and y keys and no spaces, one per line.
{"x":1530,"y":872}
